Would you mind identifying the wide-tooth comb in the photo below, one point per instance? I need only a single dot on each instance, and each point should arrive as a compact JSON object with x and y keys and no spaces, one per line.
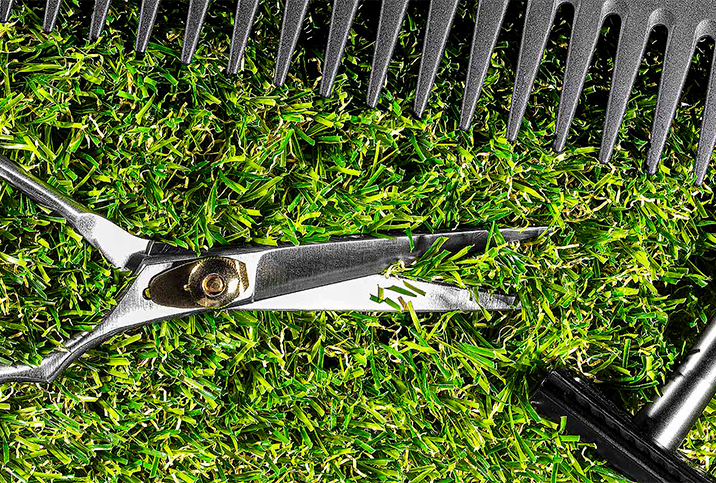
{"x":687,"y":22}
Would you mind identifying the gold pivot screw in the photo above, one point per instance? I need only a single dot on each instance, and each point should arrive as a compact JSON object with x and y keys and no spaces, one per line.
{"x":213,"y":285}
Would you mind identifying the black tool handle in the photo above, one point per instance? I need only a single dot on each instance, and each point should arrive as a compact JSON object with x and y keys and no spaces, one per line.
{"x":668,"y":419}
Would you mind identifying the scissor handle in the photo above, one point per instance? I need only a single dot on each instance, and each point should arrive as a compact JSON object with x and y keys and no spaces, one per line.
{"x":54,"y":363}
{"x":133,"y":310}
{"x":123,"y":249}
{"x":40,"y":191}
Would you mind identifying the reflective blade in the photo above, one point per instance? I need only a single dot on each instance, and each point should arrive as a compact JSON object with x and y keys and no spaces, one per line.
{"x":244,"y":19}
{"x":440,"y":20}
{"x":147,"y":18}
{"x":292,"y":269}
{"x":490,"y":15}
{"x":293,"y":15}
{"x":99,"y":17}
{"x":344,"y":11}
{"x":362,"y":295}
{"x":392,"y":13}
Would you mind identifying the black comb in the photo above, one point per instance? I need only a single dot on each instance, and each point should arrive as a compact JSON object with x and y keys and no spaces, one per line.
{"x":687,"y":22}
{"x":643,"y":448}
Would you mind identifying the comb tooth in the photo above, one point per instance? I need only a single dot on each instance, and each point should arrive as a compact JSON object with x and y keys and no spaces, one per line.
{"x":490,"y":15}
{"x":99,"y":17}
{"x":147,"y":17}
{"x":52,"y":10}
{"x":440,"y":19}
{"x":708,"y":128}
{"x":293,"y":15}
{"x":632,"y":43}
{"x":588,"y":22}
{"x":194,"y":21}
{"x":392,"y":13}
{"x":243,"y":20}
{"x":677,"y":60}
{"x":538,"y":23}
{"x":344,"y":12}
{"x":5,"y":9}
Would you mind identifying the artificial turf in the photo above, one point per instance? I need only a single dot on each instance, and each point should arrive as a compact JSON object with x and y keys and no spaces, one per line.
{"x":187,"y":155}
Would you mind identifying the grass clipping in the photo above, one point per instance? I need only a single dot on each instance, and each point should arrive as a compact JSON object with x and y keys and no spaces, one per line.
{"x":190,"y":156}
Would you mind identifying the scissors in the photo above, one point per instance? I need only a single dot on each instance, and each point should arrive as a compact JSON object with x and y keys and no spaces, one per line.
{"x":173,"y":282}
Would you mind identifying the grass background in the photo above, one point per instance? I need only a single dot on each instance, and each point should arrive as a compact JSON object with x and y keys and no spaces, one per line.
{"x":189,"y":156}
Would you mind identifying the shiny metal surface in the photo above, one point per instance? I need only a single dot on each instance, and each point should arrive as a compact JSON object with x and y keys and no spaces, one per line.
{"x":285,"y":270}
{"x":210,"y":282}
{"x":362,"y":295}
{"x":583,"y":410}
{"x":132,"y":310}
{"x":122,"y":249}
{"x":668,"y":419}
{"x":336,"y":275}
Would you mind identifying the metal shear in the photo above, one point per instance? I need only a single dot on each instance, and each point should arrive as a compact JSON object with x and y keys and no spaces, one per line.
{"x":172,"y":282}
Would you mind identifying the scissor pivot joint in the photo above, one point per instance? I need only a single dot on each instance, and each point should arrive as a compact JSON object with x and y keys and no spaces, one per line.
{"x":211,"y":282}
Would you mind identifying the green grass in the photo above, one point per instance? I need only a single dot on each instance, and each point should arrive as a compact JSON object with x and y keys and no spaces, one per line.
{"x":189,"y":156}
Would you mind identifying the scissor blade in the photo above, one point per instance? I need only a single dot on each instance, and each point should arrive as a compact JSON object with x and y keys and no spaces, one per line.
{"x":364,"y":295}
{"x":293,"y":269}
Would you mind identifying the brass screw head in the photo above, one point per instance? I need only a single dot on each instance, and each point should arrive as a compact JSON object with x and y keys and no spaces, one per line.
{"x":213,"y":285}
